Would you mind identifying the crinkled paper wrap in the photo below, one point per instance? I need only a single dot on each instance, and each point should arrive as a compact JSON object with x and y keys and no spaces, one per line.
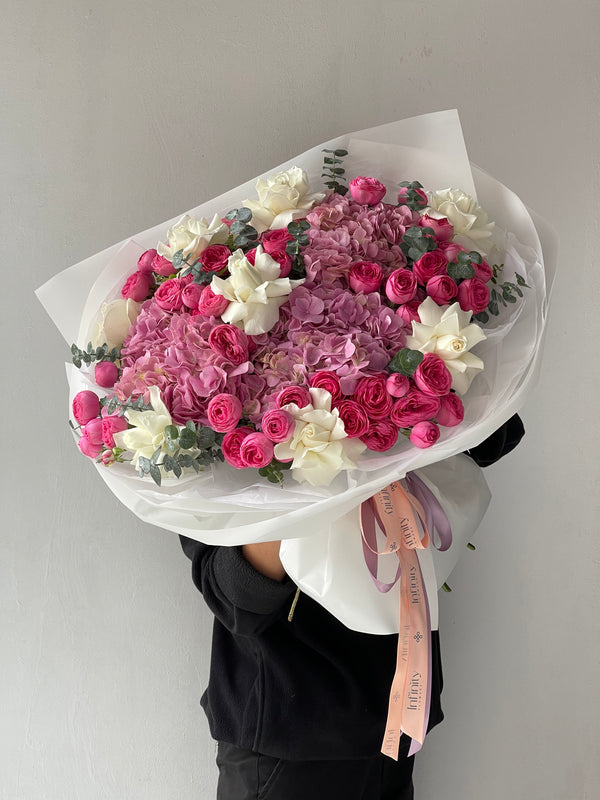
{"x":226,"y":506}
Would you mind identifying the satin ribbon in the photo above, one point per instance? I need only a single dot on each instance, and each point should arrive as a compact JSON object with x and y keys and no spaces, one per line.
{"x":406,"y":517}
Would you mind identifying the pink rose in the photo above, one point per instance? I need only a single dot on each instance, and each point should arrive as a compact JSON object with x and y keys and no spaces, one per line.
{"x":168,"y":295}
{"x":473,"y":295}
{"x":367,"y":191}
{"x":429,"y":265}
{"x":137,"y":286}
{"x":211,"y":304}
{"x":397,"y":385}
{"x":106,"y":374}
{"x":355,"y":419}
{"x":144,"y":263}
{"x":483,"y":272}
{"x":93,"y":431}
{"x":365,"y":276}
{"x":110,"y":425}
{"x":409,"y":312}
{"x":191,"y":294}
{"x":452,"y":411}
{"x":214,"y":258}
{"x":230,"y":342}
{"x":256,"y":450}
{"x":432,"y":376}
{"x":224,"y":412}
{"x":162,"y":266}
{"x":441,"y":289}
{"x":413,"y":408}
{"x":275,"y":241}
{"x":451,"y":250}
{"x":443,"y":229}
{"x":284,"y":261}
{"x":298,"y":395}
{"x":381,"y":436}
{"x":424,"y":434}
{"x":329,"y":381}
{"x":231,"y":445}
{"x":401,"y":286}
{"x":370,"y":393}
{"x":277,"y":425}
{"x":88,"y":448}
{"x":86,"y":406}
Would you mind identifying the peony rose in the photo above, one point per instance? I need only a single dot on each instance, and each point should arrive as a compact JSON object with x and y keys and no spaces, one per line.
{"x":113,"y":322}
{"x":442,"y":228}
{"x":370,"y":393}
{"x":381,"y":436}
{"x":168,"y":295}
{"x":414,"y":407}
{"x":397,"y":385}
{"x":229,"y":342}
{"x":401,"y":286}
{"x":144,"y":263}
{"x":93,"y":431}
{"x":451,"y":250}
{"x":355,"y":419}
{"x":191,"y":294}
{"x":193,"y":236}
{"x":106,"y":374}
{"x":256,"y":450}
{"x":162,"y":266}
{"x":429,"y":265}
{"x":441,"y":289}
{"x":85,"y":406}
{"x":367,"y":191}
{"x":432,"y":376}
{"x":88,"y":448}
{"x":328,"y":381}
{"x":275,"y":241}
{"x":224,"y":412}
{"x":483,"y":271}
{"x":473,"y":295}
{"x":282,"y":198}
{"x":471,"y":226}
{"x":452,"y":411}
{"x":137,"y":286}
{"x":211,"y":304}
{"x":277,"y":425}
{"x":409,"y":312}
{"x":424,"y":434}
{"x":298,"y":395}
{"x":365,"y":276}
{"x":231,"y":446}
{"x":214,"y":258}
{"x":110,"y":425}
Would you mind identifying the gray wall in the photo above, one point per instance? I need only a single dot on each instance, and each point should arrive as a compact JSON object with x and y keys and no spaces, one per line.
{"x":122,"y":114}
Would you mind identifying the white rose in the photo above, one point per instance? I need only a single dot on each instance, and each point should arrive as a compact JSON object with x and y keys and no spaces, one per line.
{"x":148,"y":433}
{"x":193,"y":236}
{"x":281,"y":198}
{"x":447,"y":332}
{"x":320,"y":447}
{"x":471,"y":226}
{"x":255,"y":291}
{"x":113,"y":322}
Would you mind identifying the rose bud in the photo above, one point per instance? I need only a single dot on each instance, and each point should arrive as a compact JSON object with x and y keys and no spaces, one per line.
{"x":365,"y":276}
{"x":231,"y":445}
{"x":191,"y":294}
{"x":86,"y":406}
{"x":256,"y":450}
{"x":162,"y":266}
{"x":473,"y":295}
{"x":106,"y":374}
{"x":432,"y":376}
{"x":367,"y":191}
{"x":397,"y":385}
{"x":381,"y":436}
{"x":211,"y":304}
{"x":110,"y":425}
{"x":224,"y":412}
{"x":441,"y":289}
{"x":137,"y":286}
{"x":401,"y":286}
{"x":424,"y":434}
{"x":144,"y":263}
{"x":168,"y":295}
{"x":214,"y":258}
{"x":277,"y":425}
{"x":328,"y":381}
{"x":452,"y":411}
{"x":93,"y":431}
{"x":88,"y":448}
{"x":443,"y":229}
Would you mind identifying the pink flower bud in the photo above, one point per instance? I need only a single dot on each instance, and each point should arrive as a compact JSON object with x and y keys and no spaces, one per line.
{"x":137,"y":286}
{"x":424,"y":434}
{"x":88,"y":448}
{"x":110,"y":425}
{"x":106,"y":374}
{"x":93,"y":431}
{"x":144,"y":263}
{"x":86,"y":406}
{"x":367,"y":191}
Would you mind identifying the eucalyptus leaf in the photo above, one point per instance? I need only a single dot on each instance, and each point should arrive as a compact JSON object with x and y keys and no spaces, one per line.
{"x":155,"y":474}
{"x":405,"y":361}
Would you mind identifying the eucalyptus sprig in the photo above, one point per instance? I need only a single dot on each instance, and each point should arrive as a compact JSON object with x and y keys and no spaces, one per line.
{"x":294,"y":248}
{"x":412,"y":197}
{"x":333,"y":170}
{"x":502,"y":293}
{"x":189,"y":266}
{"x":114,"y":404}
{"x":90,"y":354}
{"x":204,"y":443}
{"x":416,"y":242}
{"x":462,"y":269}
{"x":242,"y":236}
{"x":273,"y":472}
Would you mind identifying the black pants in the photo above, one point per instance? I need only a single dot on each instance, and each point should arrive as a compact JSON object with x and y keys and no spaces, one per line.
{"x":244,"y":775}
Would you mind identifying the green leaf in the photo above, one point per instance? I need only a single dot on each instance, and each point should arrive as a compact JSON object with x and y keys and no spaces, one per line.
{"x":155,"y":474}
{"x":187,"y":439}
{"x":340,"y":153}
{"x":205,"y":438}
{"x":171,"y":433}
{"x":482,"y":317}
{"x":177,"y":470}
{"x":405,"y":361}
{"x":155,"y":456}
{"x":144,"y":464}
{"x":178,"y":260}
{"x":244,"y":214}
{"x":459,"y":272}
{"x":493,"y":308}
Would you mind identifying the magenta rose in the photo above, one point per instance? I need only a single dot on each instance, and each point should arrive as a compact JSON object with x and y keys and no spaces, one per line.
{"x":230,"y":342}
{"x":298,"y":395}
{"x":452,"y":411}
{"x":275,"y":241}
{"x":473,"y":295}
{"x":432,"y":376}
{"x":355,"y":419}
{"x":441,"y":289}
{"x":397,"y":385}
{"x":401,"y":286}
{"x":277,"y":425}
{"x":424,"y":434}
{"x":443,"y":229}
{"x":329,"y":381}
{"x":224,"y":412}
{"x":414,"y":407}
{"x":370,"y":393}
{"x":86,"y":406}
{"x":106,"y":374}
{"x":168,"y":295}
{"x":191,"y":294}
{"x":89,"y":448}
{"x":429,"y":265}
{"x":367,"y":191}
{"x":93,"y":430}
{"x":381,"y":436}
{"x":483,"y":272}
{"x":284,"y":261}
{"x":144,"y":263}
{"x":110,"y":425}
{"x":214,"y":258}
{"x":409,"y":312}
{"x":365,"y":276}
{"x":211,"y":304}
{"x":137,"y":286}
{"x":451,"y":250}
{"x":231,"y":446}
{"x":256,"y":450}
{"x":162,"y":266}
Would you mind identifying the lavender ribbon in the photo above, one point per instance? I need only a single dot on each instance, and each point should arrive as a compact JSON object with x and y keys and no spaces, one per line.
{"x":435,"y":517}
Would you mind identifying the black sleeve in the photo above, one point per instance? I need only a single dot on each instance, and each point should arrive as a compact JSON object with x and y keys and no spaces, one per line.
{"x":244,"y":600}
{"x":499,"y":443}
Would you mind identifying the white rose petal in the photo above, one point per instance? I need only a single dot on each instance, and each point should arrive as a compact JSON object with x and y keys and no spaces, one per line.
{"x":113,"y":322}
{"x":193,"y":236}
{"x":282,"y":198}
{"x":472,"y":228}
{"x":148,"y":433}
